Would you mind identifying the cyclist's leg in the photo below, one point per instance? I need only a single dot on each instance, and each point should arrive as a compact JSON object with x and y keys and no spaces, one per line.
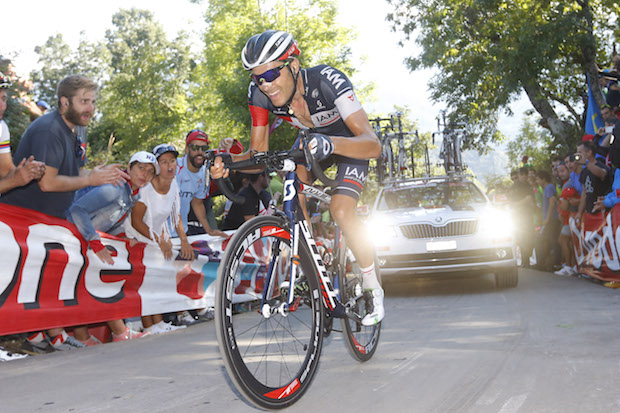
{"x":352,"y":174}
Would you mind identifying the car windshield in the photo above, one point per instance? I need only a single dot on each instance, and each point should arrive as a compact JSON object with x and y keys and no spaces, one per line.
{"x":432,"y":195}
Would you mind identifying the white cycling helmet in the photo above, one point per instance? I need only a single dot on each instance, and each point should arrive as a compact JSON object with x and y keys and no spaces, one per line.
{"x":268,"y":47}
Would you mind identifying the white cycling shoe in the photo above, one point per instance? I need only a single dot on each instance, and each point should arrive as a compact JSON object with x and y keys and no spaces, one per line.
{"x":376,"y":311}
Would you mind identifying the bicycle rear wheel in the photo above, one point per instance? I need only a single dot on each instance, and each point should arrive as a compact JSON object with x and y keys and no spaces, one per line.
{"x":271,"y":359}
{"x":361,"y":340}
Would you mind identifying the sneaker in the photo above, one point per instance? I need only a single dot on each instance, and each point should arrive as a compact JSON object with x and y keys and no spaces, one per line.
{"x":171,"y":327}
{"x":206,"y":314}
{"x":374,"y":307}
{"x":38,"y":343}
{"x":64,"y":342}
{"x":162,"y":327}
{"x":92,"y":341}
{"x":6,"y":355}
{"x":565,"y":271}
{"x":129,"y":334}
{"x":186,"y":319}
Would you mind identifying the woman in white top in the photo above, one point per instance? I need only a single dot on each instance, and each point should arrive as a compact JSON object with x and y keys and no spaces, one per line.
{"x":160,"y":202}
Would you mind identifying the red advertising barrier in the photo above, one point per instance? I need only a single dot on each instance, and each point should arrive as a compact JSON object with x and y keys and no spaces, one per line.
{"x":596,"y":244}
{"x":49,"y":278}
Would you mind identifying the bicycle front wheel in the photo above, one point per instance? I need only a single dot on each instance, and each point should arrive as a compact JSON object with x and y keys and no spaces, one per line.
{"x":361,"y":340}
{"x":271,"y":352}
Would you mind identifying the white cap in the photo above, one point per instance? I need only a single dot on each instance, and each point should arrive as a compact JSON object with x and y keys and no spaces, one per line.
{"x":145,"y":157}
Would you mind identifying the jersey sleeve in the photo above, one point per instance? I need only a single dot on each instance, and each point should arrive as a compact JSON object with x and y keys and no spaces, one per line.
{"x":258,"y":108}
{"x":5,"y":138}
{"x":337,"y":87}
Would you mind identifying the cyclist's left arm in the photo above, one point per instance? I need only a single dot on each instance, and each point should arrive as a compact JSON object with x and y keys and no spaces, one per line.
{"x":364,"y":145}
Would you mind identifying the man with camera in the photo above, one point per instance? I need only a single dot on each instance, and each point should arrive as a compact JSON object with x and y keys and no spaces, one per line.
{"x":191,"y":180}
{"x":604,"y":134}
{"x":595,"y":177}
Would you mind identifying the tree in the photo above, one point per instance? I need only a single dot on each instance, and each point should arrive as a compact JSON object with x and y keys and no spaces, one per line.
{"x":222,"y":84}
{"x":537,"y":147}
{"x":57,"y":61}
{"x":144,"y":102}
{"x":488,"y":52}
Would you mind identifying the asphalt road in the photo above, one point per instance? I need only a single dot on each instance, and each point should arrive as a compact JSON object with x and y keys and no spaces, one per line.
{"x":447,"y":345}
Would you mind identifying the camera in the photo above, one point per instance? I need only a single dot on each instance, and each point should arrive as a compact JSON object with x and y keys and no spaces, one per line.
{"x":609,"y":129}
{"x":576,"y":157}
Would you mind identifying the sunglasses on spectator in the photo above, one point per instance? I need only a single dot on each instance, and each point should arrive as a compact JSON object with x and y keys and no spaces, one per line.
{"x":268,"y":76}
{"x":196,"y":148}
{"x":161,"y":149}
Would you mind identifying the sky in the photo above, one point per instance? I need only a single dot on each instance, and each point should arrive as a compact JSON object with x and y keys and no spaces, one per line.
{"x":384,"y":66}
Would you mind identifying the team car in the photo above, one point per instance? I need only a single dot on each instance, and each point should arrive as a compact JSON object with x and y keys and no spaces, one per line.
{"x":442,"y":224}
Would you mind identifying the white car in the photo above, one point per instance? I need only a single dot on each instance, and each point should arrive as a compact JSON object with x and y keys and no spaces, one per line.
{"x":442,"y":224}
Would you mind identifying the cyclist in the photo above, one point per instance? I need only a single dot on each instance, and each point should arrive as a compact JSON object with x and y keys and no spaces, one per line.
{"x":322,"y":100}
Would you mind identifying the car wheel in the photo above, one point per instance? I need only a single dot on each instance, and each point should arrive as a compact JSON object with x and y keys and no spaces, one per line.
{"x":507,"y":278}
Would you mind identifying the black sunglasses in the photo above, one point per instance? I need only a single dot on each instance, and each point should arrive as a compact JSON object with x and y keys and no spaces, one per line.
{"x":268,"y":76}
{"x":195,"y":148}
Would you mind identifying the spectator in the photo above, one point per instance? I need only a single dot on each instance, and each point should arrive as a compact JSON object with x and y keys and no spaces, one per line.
{"x":538,"y":196}
{"x":522,"y":204}
{"x":575,"y":171}
{"x":555,"y":179}
{"x":613,"y":88}
{"x":257,"y":201}
{"x":44,"y":107}
{"x":613,"y":197}
{"x":603,"y":135}
{"x":28,"y":169}
{"x":546,"y":245}
{"x":595,"y":178}
{"x":160,"y":202}
{"x":51,"y":138}
{"x":569,"y":202}
{"x":226,"y":145}
{"x":104,"y":208}
{"x":191,"y":181}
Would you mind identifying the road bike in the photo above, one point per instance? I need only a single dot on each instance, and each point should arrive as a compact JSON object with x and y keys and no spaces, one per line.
{"x":394,"y":164}
{"x":271,"y":346}
{"x":453,"y":135}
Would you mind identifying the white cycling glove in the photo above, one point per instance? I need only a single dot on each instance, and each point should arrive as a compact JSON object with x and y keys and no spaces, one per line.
{"x":320,"y":146}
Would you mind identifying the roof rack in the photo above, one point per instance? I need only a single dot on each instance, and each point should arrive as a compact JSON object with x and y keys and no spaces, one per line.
{"x":450,"y":177}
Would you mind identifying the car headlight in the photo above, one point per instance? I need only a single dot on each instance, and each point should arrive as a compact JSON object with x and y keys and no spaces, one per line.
{"x":380,"y":231}
{"x":496,"y":224}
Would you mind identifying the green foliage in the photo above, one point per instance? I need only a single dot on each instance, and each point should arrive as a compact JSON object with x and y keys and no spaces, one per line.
{"x":221,"y":89}
{"x":488,"y":52}
{"x":144,"y":102}
{"x":537,"y":146}
{"x":57,"y":61}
